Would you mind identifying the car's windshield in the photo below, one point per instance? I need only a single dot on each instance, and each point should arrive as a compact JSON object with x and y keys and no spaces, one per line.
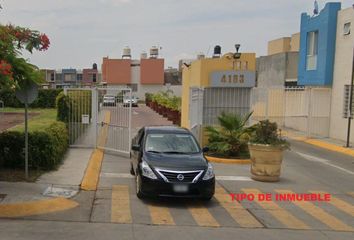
{"x":171,"y":143}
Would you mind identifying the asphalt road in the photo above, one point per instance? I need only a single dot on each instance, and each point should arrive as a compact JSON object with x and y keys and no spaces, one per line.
{"x":114,"y":211}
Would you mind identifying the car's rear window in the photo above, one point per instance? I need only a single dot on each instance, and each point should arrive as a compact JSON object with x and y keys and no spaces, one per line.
{"x":171,"y":143}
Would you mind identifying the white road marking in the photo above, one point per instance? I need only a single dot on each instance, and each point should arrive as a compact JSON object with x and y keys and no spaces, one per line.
{"x":323,"y":161}
{"x":117,"y":175}
{"x":233,"y":178}
{"x":221,"y":178}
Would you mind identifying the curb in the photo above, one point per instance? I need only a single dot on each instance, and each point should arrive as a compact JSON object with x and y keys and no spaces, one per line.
{"x":228,"y":161}
{"x":324,"y":145}
{"x":92,"y":174}
{"x":330,"y":147}
{"x":36,"y":207}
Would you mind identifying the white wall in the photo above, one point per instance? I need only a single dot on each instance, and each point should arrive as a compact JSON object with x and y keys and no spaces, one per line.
{"x":342,"y":75}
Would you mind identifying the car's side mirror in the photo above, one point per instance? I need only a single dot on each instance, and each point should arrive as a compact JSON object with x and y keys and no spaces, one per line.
{"x":136,"y":147}
{"x":205,"y":149}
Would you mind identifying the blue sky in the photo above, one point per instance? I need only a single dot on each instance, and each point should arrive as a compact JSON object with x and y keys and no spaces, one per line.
{"x":82,"y":32}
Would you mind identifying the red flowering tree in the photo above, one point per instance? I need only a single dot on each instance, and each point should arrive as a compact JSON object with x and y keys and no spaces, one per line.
{"x":15,"y":71}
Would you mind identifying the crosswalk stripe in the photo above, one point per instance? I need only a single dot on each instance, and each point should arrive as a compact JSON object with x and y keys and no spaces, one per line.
{"x":160,"y":215}
{"x":338,"y":203}
{"x":202,"y":216}
{"x":236,"y":210}
{"x":320,"y":214}
{"x":120,"y":206}
{"x":351,"y":194}
{"x":278,"y":212}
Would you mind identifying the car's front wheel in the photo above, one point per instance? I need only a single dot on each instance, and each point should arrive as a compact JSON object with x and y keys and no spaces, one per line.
{"x":139,"y":192}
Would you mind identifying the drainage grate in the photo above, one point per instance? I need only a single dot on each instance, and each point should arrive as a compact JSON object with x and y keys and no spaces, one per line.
{"x":59,"y":192}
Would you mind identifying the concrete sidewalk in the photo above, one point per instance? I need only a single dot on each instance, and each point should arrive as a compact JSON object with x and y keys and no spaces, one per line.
{"x":325,"y":143}
{"x":67,"y":177}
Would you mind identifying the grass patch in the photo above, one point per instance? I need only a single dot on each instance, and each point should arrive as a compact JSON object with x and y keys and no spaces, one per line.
{"x":38,"y":123}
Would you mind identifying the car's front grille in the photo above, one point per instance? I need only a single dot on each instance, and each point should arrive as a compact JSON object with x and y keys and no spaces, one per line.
{"x":180,"y":176}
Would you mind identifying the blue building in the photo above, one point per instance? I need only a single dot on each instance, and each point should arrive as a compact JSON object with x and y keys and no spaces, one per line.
{"x":317,"y":46}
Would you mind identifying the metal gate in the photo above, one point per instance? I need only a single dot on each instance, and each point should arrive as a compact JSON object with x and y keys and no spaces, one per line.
{"x":303,"y":109}
{"x":100,"y":117}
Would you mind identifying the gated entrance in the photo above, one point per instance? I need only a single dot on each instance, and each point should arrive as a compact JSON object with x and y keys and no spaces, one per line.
{"x":100,"y":117}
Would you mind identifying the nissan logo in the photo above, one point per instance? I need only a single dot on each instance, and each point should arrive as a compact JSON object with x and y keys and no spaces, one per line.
{"x":180,"y":177}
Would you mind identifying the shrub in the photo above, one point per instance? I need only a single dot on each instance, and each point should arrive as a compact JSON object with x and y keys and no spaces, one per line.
{"x":148,"y":97}
{"x":231,"y":138}
{"x":46,"y":147}
{"x":46,"y":98}
{"x":266,"y":132}
{"x":72,"y":106}
{"x":62,"y":105}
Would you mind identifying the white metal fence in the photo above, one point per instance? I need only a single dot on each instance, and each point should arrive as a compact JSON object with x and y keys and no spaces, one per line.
{"x":100,"y":117}
{"x":302,"y":109}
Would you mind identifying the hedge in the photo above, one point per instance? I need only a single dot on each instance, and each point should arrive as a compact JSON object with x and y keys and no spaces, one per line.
{"x":46,"y":98}
{"x":46,"y":148}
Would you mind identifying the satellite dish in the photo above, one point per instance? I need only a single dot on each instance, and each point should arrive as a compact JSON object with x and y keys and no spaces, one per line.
{"x":27,"y":95}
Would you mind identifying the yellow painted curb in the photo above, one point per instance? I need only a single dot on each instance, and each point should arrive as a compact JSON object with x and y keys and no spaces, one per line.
{"x":92,"y":174}
{"x":36,"y":207}
{"x":321,"y":144}
{"x":228,"y":161}
{"x":330,"y":147}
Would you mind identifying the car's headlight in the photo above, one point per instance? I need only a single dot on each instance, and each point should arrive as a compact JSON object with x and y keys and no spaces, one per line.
{"x":209,"y":173}
{"x":146,"y":170}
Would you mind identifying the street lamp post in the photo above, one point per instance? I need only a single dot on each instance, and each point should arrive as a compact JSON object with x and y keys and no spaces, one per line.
{"x":350,"y":103}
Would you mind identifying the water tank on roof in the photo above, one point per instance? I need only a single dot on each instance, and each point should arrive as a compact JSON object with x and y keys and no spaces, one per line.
{"x":94,"y":66}
{"x":143,"y":55}
{"x":154,"y":52}
{"x":217,"y":51}
{"x":127,"y":53}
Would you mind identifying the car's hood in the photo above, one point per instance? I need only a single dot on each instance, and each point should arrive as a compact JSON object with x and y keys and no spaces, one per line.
{"x":183,"y":162}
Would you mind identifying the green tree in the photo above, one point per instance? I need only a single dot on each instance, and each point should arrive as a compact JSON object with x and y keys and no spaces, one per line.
{"x":15,"y":71}
{"x":231,"y":137}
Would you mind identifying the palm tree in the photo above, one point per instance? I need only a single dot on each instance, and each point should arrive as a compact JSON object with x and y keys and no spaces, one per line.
{"x":231,"y":137}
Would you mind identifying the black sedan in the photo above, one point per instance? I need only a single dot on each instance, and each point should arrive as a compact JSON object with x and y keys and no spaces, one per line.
{"x":167,"y":161}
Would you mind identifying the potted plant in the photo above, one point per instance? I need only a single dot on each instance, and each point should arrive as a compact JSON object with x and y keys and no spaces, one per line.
{"x":266,"y":148}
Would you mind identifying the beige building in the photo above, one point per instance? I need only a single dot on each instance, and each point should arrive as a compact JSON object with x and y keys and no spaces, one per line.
{"x":285,"y":44}
{"x":342,"y":73}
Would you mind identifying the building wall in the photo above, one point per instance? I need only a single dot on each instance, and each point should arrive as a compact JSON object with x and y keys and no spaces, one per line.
{"x":325,"y":23}
{"x":342,"y":74}
{"x":198,"y":75}
{"x":152,"y":71}
{"x":276,"y":69}
{"x":295,"y":42}
{"x":116,"y":71}
{"x":87,"y":75}
{"x":279,"y":45}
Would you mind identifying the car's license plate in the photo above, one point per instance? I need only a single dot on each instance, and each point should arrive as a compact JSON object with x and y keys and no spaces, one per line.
{"x":180,"y":188}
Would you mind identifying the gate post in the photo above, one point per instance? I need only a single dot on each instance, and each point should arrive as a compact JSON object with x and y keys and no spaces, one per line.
{"x":130,"y":120}
{"x":94,"y":112}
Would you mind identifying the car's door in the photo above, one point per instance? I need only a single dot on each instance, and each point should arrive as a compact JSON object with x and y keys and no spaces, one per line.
{"x":137,"y":141}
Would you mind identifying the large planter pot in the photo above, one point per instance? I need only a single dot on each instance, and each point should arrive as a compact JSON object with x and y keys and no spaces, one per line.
{"x":265,"y":162}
